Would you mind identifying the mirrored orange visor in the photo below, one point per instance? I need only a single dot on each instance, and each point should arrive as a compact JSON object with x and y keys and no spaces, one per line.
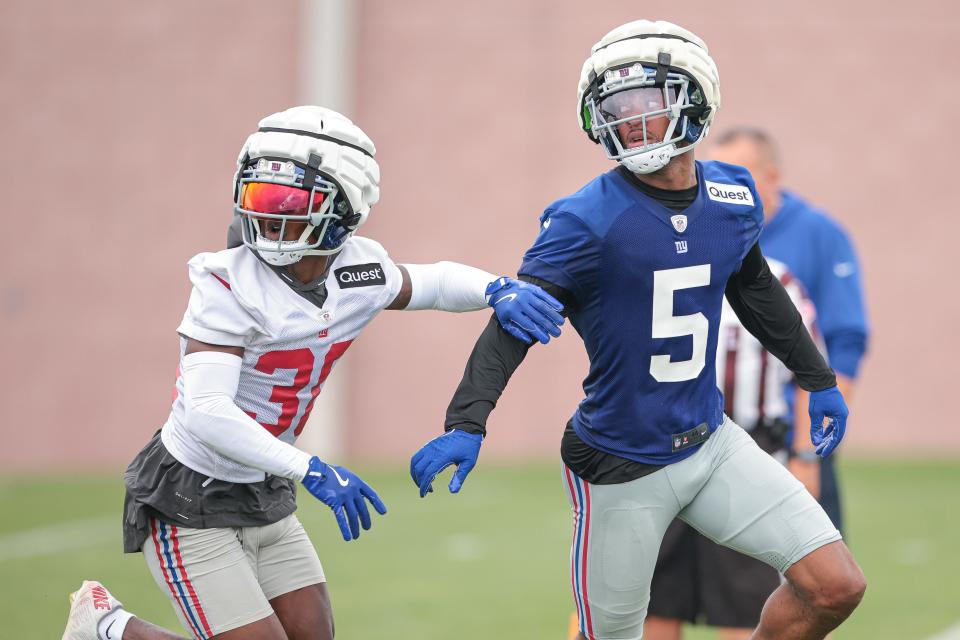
{"x":265,"y":197}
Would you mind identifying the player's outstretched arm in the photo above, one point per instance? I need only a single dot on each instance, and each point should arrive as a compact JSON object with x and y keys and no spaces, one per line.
{"x":766,"y":310}
{"x":211,"y":376}
{"x":495,"y":357}
{"x":525,"y":310}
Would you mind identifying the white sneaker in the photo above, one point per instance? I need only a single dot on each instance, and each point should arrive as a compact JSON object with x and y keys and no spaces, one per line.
{"x":88,"y":605}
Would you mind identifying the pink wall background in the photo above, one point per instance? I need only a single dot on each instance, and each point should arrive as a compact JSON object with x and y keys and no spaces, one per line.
{"x":122,"y":123}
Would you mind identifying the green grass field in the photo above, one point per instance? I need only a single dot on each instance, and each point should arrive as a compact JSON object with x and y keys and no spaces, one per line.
{"x":491,"y":562}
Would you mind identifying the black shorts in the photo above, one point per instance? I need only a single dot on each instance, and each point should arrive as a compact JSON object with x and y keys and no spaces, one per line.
{"x":159,"y":486}
{"x":697,"y":580}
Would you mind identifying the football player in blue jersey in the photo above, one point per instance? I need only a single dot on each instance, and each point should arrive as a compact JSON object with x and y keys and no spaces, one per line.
{"x":641,"y":258}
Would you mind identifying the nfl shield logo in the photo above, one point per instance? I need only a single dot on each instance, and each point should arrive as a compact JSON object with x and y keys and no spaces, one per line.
{"x":679,"y":223}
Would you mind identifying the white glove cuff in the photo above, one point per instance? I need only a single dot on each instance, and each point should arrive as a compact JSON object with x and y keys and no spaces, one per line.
{"x":447,"y":286}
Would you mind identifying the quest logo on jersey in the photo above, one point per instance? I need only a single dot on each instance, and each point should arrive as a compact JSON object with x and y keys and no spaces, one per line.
{"x":360,"y":275}
{"x":729,"y":193}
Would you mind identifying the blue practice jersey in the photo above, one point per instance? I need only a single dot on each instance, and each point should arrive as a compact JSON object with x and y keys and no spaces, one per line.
{"x":819,"y":253}
{"x":649,"y":285}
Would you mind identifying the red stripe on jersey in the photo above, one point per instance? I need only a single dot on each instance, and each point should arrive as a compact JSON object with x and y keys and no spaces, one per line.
{"x":221,"y":280}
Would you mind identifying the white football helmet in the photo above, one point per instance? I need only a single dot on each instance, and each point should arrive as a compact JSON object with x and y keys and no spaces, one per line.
{"x":648,"y":92}
{"x":307,"y":166}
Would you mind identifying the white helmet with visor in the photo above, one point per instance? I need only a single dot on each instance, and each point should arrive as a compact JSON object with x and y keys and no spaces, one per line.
{"x":308,"y":172}
{"x":648,"y":92}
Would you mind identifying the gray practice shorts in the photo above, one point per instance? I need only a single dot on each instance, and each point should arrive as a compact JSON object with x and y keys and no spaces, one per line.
{"x":224,"y":578}
{"x":729,"y":490}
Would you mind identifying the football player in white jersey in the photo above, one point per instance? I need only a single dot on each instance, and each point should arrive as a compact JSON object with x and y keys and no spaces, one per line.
{"x":210,"y":499}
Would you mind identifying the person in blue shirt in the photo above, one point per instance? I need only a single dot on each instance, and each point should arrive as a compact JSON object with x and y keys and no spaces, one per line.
{"x":642,"y":257}
{"x":820,"y":254}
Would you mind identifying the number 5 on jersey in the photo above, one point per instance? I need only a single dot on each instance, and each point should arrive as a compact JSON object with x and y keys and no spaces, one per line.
{"x":667,"y":325}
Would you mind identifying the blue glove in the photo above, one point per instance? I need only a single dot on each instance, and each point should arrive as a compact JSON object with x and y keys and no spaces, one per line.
{"x":344,"y":492}
{"x":524,"y":310}
{"x":454,"y":447}
{"x":827,"y":403}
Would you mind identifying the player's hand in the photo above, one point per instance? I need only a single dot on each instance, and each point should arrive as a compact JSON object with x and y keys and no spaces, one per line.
{"x":827,"y":404}
{"x":454,"y":447}
{"x":345,"y":493}
{"x":524,"y":310}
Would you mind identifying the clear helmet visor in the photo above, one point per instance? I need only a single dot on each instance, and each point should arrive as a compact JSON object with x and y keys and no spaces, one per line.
{"x":638,"y":118}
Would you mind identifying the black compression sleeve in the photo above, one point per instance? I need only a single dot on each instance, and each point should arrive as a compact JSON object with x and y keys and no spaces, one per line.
{"x":766,"y":310}
{"x":495,"y":357}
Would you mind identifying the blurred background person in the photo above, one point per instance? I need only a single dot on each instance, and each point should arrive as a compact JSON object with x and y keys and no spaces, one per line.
{"x":819,"y":253}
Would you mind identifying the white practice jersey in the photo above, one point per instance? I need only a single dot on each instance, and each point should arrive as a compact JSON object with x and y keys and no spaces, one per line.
{"x":752,"y":380}
{"x":290,"y":345}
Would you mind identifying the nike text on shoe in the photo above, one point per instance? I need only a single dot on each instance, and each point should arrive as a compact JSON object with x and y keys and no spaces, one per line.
{"x":88,"y":605}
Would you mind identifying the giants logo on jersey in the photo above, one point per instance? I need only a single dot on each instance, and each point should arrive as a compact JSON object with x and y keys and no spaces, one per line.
{"x":360,"y":275}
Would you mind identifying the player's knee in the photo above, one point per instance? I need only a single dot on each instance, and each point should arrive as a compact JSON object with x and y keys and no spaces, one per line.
{"x":839,"y":596}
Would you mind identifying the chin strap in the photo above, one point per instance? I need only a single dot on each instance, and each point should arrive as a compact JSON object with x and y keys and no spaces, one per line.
{"x":650,"y":161}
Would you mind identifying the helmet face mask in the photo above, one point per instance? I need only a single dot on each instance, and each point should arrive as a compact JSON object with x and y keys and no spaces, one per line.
{"x":272,"y":200}
{"x":640,"y":122}
{"x":632,"y":116}
{"x":648,"y":92}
